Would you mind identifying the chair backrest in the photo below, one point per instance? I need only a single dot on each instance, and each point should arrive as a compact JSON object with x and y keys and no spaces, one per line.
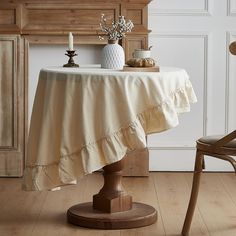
{"x":226,"y":139}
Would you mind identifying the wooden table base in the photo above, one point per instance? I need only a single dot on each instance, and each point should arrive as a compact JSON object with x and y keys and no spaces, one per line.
{"x":112,"y":207}
{"x":84,"y":215}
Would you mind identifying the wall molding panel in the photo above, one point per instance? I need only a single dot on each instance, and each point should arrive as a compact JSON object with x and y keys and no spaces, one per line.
{"x":230,"y":109}
{"x":231,"y":11}
{"x":186,"y":36}
{"x":207,"y":27}
{"x":204,"y":11}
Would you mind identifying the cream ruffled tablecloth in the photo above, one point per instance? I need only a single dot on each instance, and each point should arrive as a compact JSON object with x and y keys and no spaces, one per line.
{"x":86,"y":118}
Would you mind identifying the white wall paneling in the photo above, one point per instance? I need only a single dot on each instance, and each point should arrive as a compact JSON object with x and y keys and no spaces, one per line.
{"x":230,"y":86}
{"x":193,"y":35}
{"x":231,"y":7}
{"x":180,"y":7}
{"x":182,"y":160}
{"x":177,"y":146}
{"x":174,"y":160}
{"x":181,"y":47}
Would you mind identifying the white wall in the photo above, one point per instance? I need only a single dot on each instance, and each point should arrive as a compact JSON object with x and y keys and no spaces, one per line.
{"x":193,"y":35}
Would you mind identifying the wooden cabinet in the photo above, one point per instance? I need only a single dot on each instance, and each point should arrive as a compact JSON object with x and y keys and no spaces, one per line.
{"x":136,"y":163}
{"x":80,"y":18}
{"x":132,"y":42}
{"x":23,"y":22}
{"x":12,"y":106}
{"x":10,"y":18}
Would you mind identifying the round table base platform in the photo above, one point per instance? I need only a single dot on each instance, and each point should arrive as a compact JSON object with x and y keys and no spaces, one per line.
{"x":84,"y":215}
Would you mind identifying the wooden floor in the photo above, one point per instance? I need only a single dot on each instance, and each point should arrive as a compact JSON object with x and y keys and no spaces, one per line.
{"x":44,"y":213}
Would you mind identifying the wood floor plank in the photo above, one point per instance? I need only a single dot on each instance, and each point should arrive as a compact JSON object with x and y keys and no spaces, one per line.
{"x":198,"y":226}
{"x":142,"y":189}
{"x":19,"y":210}
{"x":229,"y":182}
{"x":52,"y":220}
{"x":216,"y":206}
{"x":173,"y":194}
{"x":44,"y":213}
{"x":92,"y":184}
{"x":53,"y":216}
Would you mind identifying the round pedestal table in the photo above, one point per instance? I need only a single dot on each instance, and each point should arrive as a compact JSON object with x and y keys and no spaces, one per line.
{"x":88,"y":118}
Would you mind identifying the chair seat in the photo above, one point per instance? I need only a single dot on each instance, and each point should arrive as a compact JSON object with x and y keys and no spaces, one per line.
{"x":212,"y":139}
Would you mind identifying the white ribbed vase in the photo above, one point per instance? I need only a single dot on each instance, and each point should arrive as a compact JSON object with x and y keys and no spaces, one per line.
{"x":113,"y":56}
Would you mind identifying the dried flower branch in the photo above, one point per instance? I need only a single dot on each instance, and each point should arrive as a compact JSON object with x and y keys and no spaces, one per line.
{"x":117,"y":29}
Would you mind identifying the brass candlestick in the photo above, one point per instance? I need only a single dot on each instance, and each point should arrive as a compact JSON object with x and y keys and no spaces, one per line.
{"x":71,"y":63}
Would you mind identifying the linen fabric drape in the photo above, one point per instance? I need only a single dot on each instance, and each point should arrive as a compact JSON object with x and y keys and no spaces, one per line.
{"x":86,"y":118}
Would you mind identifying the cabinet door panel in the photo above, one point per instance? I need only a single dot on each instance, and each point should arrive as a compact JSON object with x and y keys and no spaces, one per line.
{"x":60,"y":17}
{"x":134,"y":42}
{"x":11,"y":107}
{"x":7,"y":94}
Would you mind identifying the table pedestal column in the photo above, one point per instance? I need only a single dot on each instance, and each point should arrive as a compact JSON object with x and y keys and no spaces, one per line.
{"x":112,"y":207}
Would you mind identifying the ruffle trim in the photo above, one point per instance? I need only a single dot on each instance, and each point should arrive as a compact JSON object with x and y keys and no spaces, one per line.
{"x":113,"y":147}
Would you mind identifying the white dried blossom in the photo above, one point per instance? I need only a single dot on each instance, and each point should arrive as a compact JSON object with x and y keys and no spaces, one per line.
{"x":117,"y":29}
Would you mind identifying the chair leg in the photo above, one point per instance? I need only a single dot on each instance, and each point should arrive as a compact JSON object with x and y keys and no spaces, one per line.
{"x":199,"y":165}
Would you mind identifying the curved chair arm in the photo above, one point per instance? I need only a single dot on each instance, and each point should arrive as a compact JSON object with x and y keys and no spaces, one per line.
{"x":226,"y":158}
{"x":226,"y":139}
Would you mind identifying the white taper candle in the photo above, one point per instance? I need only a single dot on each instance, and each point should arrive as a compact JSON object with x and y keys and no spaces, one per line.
{"x":71,"y":42}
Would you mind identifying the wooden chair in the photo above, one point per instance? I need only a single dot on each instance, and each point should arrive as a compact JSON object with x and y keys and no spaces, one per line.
{"x":222,"y":147}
